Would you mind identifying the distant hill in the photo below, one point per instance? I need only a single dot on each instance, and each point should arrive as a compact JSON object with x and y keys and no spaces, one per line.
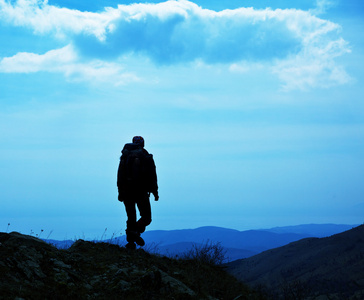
{"x":253,"y":240}
{"x":313,"y":230}
{"x":331,"y":267}
{"x":238,"y":244}
{"x":33,"y":269}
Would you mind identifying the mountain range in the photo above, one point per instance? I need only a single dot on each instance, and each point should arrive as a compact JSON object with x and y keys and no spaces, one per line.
{"x":312,"y":268}
{"x":237,"y":244}
{"x":326,"y":267}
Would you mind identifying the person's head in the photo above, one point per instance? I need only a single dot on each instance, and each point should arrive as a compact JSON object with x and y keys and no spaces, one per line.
{"x":138,"y":140}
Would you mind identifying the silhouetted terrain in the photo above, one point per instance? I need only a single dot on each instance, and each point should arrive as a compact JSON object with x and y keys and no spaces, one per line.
{"x":313,"y":230}
{"x":33,"y":269}
{"x":238,"y":244}
{"x":331,"y":267}
{"x":252,"y":240}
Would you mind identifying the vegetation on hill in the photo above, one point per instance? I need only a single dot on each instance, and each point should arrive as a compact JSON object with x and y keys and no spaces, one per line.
{"x":33,"y":269}
{"x":312,"y":268}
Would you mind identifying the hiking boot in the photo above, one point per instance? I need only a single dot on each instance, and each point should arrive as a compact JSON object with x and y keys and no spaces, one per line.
{"x":139,"y":240}
{"x":133,"y":236}
{"x":130,"y":246}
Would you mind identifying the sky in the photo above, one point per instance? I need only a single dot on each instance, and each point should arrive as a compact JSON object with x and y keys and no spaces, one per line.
{"x":252,"y":109}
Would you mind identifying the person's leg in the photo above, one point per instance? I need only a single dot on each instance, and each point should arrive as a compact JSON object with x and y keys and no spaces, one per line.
{"x":132,"y":233}
{"x":131,"y":219}
{"x":145,"y":213}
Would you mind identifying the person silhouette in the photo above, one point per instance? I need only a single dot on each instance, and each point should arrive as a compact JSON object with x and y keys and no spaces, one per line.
{"x":136,"y":180}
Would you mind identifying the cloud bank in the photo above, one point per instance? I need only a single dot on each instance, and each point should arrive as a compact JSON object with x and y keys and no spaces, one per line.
{"x":296,"y":45}
{"x":66,"y":61}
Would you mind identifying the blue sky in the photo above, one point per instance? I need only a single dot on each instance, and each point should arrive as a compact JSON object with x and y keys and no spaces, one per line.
{"x":253,"y":111}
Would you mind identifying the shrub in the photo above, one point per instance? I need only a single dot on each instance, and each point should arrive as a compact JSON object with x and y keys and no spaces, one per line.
{"x":210,"y":253}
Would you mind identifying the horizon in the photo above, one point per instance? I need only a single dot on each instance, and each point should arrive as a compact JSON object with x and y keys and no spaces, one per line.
{"x":252,"y":110}
{"x":105,"y":236}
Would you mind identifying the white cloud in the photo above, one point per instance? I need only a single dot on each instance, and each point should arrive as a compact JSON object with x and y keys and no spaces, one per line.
{"x":44,"y":18}
{"x":24,"y":62}
{"x":314,"y":67}
{"x":323,"y":5}
{"x":297,"y":45}
{"x":66,"y":61}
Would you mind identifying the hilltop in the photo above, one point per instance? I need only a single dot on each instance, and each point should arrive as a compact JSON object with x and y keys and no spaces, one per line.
{"x":330,"y":268}
{"x":32,"y":269}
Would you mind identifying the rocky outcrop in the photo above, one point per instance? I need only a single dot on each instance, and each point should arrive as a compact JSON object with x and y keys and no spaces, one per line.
{"x":33,"y":269}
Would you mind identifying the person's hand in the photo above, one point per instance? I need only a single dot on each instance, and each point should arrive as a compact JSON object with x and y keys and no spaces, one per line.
{"x":156,"y":196}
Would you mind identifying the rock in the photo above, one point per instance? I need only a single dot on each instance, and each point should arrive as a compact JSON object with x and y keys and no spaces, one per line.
{"x":33,"y":269}
{"x":177,"y":286}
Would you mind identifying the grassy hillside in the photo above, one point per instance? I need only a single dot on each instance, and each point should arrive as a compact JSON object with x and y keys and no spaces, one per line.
{"x":33,"y":269}
{"x":331,"y":268}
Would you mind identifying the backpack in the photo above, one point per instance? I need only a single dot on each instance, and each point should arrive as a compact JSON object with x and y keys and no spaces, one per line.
{"x":132,"y":171}
{"x":134,"y":166}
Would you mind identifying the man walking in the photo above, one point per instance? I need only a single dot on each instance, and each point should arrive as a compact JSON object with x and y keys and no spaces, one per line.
{"x":136,"y":179}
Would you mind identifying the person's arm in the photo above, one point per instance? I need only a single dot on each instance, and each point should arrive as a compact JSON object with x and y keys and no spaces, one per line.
{"x":153,"y":179}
